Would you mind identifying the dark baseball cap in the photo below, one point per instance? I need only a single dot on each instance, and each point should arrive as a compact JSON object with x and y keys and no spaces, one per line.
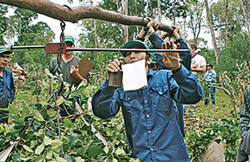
{"x":134,"y":44}
{"x":4,"y":51}
{"x":211,"y":65}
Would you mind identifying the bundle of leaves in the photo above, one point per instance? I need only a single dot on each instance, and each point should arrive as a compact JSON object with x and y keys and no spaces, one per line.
{"x":51,"y":137}
{"x":228,"y":129}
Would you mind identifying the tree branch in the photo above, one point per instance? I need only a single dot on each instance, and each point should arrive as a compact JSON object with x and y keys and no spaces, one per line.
{"x":75,"y":14}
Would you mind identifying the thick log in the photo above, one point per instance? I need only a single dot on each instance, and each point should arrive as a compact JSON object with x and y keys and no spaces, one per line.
{"x":75,"y":14}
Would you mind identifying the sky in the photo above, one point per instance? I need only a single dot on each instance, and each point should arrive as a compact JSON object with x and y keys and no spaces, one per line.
{"x":72,"y":29}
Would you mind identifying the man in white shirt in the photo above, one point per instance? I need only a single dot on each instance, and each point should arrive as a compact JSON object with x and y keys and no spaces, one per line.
{"x":198,"y":62}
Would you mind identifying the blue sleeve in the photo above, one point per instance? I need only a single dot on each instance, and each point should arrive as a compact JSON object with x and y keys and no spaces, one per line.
{"x":105,"y":102}
{"x":185,"y":56}
{"x":156,"y":41}
{"x":12,"y":89}
{"x":184,"y":87}
{"x":214,"y":74}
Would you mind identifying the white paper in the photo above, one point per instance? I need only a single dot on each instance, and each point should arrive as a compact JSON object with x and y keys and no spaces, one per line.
{"x":134,"y":76}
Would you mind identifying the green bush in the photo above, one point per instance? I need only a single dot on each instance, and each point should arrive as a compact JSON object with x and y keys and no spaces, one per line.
{"x":228,"y":129}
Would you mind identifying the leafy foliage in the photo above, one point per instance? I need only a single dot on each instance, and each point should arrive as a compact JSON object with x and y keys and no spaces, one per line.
{"x":235,"y":18}
{"x":76,"y":141}
{"x":228,"y":129}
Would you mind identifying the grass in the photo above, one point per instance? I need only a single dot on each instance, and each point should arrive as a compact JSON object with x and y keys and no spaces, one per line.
{"x":199,"y":122}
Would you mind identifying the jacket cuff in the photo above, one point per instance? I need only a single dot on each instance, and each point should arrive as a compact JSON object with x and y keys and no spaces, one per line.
{"x":181,"y":74}
{"x":178,"y":40}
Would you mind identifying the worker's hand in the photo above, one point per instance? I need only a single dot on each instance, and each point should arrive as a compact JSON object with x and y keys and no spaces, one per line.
{"x":74,"y":69}
{"x":114,"y":66}
{"x":171,"y":63}
{"x":151,"y":26}
{"x":75,"y":72}
{"x":151,"y":22}
{"x":175,"y":33}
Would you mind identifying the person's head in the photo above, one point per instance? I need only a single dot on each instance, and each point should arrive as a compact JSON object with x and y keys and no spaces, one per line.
{"x":193,"y":47}
{"x":209,"y":66}
{"x":130,"y":57}
{"x":4,"y":58}
{"x":157,"y":61}
{"x":70,"y":42}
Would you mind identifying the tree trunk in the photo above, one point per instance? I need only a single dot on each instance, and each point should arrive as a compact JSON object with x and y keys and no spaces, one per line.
{"x":159,"y":12}
{"x":122,"y":6}
{"x":245,"y":8}
{"x":74,"y":14}
{"x":174,"y":14}
{"x":125,"y":27}
{"x":211,"y":28}
{"x":95,"y":33}
{"x":226,"y":27}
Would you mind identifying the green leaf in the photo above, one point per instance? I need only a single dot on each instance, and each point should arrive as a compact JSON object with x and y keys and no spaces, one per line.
{"x":49,"y":155}
{"x":37,"y":115}
{"x":60,"y":159}
{"x":120,"y":152}
{"x":60,"y":100}
{"x":27,"y":148}
{"x":78,"y":159}
{"x":40,"y":158}
{"x":39,"y":133}
{"x":56,"y":143}
{"x":47,"y":140}
{"x":51,"y":113}
{"x":39,"y":149}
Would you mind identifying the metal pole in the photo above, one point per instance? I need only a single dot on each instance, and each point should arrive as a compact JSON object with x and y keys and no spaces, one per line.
{"x":107,"y":49}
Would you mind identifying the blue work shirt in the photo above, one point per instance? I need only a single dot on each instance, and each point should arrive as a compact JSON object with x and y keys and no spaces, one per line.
{"x":7,"y":92}
{"x":150,"y":113}
{"x":210,"y":75}
{"x":156,"y":43}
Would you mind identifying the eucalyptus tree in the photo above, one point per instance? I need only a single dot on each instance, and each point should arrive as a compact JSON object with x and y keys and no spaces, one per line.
{"x":227,"y":24}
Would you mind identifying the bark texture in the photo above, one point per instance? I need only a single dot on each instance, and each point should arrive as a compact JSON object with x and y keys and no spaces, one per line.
{"x":75,"y":14}
{"x":211,"y":28}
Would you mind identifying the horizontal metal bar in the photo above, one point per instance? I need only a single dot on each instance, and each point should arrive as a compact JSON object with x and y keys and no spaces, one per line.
{"x":26,"y":47}
{"x":127,"y":50}
{"x":106,"y":49}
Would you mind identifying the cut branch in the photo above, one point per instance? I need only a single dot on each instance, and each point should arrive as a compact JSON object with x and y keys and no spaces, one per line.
{"x":75,"y":14}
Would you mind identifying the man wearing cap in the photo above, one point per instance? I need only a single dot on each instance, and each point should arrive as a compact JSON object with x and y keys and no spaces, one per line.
{"x":150,"y":113}
{"x":69,"y":62}
{"x":209,"y":78}
{"x":157,"y":59}
{"x":68,"y":66}
{"x":7,"y":85}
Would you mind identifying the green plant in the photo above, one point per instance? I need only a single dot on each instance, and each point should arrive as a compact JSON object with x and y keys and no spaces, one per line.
{"x":229,"y":130}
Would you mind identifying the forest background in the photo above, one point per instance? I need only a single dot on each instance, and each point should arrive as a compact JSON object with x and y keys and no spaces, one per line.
{"x":225,"y":21}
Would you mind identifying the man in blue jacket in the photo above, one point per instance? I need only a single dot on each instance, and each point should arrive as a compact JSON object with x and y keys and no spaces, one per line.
{"x":150,"y":113}
{"x":7,"y":85}
{"x":156,"y":43}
